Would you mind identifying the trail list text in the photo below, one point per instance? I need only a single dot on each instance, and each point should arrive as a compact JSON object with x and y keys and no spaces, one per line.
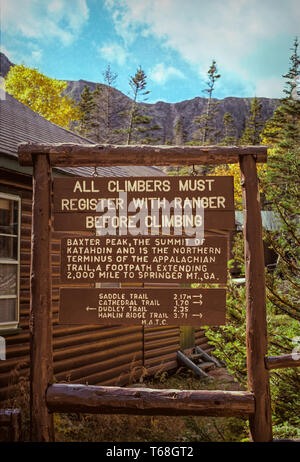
{"x":145,"y":307}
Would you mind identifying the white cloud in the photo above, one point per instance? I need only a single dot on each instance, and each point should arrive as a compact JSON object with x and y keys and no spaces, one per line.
{"x":113,"y":52}
{"x":270,"y":87}
{"x":35,"y":19}
{"x":201,"y":31}
{"x":161,"y":74}
{"x":37,"y":55}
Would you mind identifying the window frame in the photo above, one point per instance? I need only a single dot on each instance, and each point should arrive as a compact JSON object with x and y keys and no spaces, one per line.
{"x":10,"y":325}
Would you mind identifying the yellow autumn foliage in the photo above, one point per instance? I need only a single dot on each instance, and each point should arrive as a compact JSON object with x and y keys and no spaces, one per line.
{"x":42,"y":94}
{"x":234,"y":170}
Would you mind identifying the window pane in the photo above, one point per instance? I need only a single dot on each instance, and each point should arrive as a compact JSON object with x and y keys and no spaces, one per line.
{"x":8,"y":279}
{"x":8,"y":216}
{"x":8,"y":310}
{"x":9,"y":247}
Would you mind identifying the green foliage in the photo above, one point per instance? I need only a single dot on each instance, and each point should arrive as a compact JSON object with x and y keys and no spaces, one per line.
{"x":102,"y":111}
{"x":138,"y":121}
{"x":180,"y":134}
{"x":280,"y":185}
{"x":86,"y":123}
{"x":229,"y":344}
{"x":254,"y":124}
{"x":109,"y":109}
{"x":42,"y":94}
{"x":229,"y":341}
{"x":230,"y":130}
{"x":206,"y":132}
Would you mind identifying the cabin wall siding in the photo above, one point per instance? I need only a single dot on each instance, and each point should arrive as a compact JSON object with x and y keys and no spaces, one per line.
{"x":106,"y":355}
{"x":82,"y":354}
{"x":90,"y":354}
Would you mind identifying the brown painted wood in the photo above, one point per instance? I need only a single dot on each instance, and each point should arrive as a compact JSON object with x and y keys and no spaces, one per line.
{"x":279,"y":362}
{"x":140,"y":306}
{"x":108,"y":155}
{"x":41,"y":364}
{"x":151,"y":259}
{"x":258,"y":376}
{"x":144,"y":401}
{"x":74,"y":222}
{"x":79,"y":202}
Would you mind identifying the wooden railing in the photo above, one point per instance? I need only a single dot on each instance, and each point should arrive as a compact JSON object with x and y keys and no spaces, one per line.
{"x":142,"y":401}
{"x":280,"y":362}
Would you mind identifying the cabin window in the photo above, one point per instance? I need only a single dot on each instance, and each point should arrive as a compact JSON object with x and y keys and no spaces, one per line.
{"x":10,"y":209}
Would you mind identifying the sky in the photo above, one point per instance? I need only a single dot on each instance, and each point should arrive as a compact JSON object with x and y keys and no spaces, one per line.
{"x":174,"y":41}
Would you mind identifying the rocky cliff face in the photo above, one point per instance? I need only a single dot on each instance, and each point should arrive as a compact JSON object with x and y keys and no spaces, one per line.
{"x":167,"y":115}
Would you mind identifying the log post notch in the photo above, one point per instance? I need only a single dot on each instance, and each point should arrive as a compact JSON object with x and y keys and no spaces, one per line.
{"x":41,"y":364}
{"x":256,"y":323}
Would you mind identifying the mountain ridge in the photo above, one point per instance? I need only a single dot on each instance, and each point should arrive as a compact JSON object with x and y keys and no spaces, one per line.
{"x":166,"y":115}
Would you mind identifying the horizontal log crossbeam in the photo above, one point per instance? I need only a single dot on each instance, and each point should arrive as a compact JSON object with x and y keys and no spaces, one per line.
{"x":283,"y":361}
{"x":71,"y":155}
{"x":144,"y":401}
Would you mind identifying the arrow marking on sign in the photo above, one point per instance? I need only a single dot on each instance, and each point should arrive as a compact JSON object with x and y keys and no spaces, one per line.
{"x":89,"y":308}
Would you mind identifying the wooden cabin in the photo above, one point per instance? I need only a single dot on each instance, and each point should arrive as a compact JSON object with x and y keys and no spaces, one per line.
{"x":90,"y":354}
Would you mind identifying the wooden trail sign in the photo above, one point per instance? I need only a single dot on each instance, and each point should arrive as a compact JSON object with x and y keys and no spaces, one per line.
{"x":84,"y":204}
{"x":43,"y":157}
{"x":143,"y":259}
{"x":145,"y":307}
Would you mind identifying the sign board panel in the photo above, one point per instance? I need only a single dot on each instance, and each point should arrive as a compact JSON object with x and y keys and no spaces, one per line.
{"x":87,"y":204}
{"x":144,"y":307}
{"x":143,"y":259}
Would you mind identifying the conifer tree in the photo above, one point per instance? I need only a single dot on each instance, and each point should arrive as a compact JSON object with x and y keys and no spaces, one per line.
{"x":230,"y":130}
{"x":281,"y":185}
{"x":139,"y":128}
{"x":254,"y":124}
{"x":108,"y":108}
{"x":110,"y":80}
{"x":86,"y":123}
{"x":207,"y":132}
{"x":282,"y":189}
{"x":285,"y":120}
{"x":179,"y":132}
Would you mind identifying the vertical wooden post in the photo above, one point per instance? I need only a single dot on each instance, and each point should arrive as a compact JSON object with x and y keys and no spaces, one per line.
{"x":258,"y":376}
{"x":41,"y":364}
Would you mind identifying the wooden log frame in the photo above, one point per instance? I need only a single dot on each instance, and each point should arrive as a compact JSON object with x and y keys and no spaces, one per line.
{"x":144,"y":401}
{"x":47,"y":397}
{"x":41,"y":349}
{"x":69,"y":155}
{"x":283,"y":361}
{"x":256,"y":320}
